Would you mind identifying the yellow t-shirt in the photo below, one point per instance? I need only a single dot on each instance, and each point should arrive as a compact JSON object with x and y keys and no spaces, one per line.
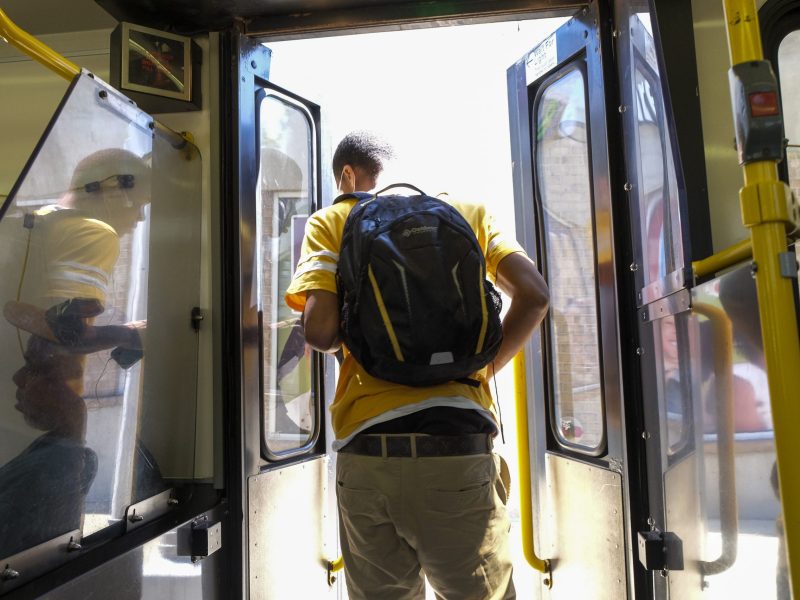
{"x":73,"y":256}
{"x":360,"y":397}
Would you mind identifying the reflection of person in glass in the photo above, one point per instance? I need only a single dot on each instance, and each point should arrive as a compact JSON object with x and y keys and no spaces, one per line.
{"x":73,"y":247}
{"x":65,"y":283}
{"x":284,"y":193}
{"x":294,"y":350}
{"x":43,"y":489}
{"x":737,"y":294}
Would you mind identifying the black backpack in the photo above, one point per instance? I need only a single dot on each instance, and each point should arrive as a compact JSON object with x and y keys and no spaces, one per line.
{"x":415,"y":305}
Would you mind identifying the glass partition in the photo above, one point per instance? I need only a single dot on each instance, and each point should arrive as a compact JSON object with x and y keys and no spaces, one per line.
{"x":99,"y":272}
{"x":564,"y":190}
{"x":286,"y":186}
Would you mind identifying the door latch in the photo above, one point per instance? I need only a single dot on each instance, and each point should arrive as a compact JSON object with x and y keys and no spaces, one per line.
{"x":660,"y":551}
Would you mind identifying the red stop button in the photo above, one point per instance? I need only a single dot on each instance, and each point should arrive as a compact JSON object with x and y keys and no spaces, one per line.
{"x":764,"y":104}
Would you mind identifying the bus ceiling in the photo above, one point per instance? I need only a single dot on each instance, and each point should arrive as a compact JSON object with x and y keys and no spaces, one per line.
{"x":286,"y":17}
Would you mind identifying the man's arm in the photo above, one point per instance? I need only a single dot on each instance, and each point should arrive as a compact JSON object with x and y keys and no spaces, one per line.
{"x":71,"y":325}
{"x":518,"y":278}
{"x":321,"y":321}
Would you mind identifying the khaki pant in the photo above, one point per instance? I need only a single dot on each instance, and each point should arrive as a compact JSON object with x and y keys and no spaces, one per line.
{"x":444,"y":517}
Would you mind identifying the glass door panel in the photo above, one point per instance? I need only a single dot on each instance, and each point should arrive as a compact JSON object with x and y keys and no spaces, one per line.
{"x":286,"y":187}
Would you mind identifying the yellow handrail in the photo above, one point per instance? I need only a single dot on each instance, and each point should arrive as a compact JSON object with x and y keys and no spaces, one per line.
{"x":524,"y":468}
{"x":723,"y":378}
{"x":765,"y":212}
{"x":723,"y":259}
{"x":38,"y":51}
{"x":333,"y":567}
{"x":67,"y":69}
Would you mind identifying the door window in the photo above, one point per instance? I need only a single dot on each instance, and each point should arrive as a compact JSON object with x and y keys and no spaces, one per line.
{"x":654,"y":191}
{"x":658,"y":189}
{"x":564,"y":186}
{"x":286,"y":184}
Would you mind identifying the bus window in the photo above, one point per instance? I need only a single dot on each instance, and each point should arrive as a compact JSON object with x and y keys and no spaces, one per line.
{"x":564,"y":185}
{"x":788,"y":64}
{"x":657,"y":183}
{"x":286,"y":184}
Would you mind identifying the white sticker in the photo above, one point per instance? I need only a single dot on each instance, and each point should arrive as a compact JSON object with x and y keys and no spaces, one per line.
{"x":541,"y":59}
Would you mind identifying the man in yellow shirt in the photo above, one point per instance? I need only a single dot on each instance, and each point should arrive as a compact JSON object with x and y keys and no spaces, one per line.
{"x":419,"y":489}
{"x":72,"y":249}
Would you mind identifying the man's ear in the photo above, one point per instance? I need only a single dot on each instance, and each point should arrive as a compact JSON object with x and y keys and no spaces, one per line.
{"x":347,"y":180}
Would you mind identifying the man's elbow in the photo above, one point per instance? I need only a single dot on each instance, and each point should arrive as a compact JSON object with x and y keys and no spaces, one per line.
{"x":535,"y":293}
{"x":323,"y":341}
{"x":544,"y":297}
{"x":321,"y":321}
{"x":520,"y":280}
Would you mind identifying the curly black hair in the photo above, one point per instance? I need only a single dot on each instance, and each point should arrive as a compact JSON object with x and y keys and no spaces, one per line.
{"x":361,"y":149}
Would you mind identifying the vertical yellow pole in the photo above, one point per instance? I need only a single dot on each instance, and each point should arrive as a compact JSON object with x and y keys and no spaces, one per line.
{"x":524,"y":468}
{"x":765,"y":213}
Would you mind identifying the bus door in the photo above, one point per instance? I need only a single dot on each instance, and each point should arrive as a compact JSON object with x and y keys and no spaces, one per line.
{"x":284,"y":469}
{"x":707,"y":431}
{"x":661,"y":253}
{"x":562,"y":184}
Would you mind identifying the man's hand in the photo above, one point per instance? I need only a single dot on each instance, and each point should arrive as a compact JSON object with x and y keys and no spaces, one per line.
{"x":321,"y":321}
{"x":518,"y":278}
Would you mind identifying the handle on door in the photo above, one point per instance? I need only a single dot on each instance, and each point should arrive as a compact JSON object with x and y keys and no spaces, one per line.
{"x":333,"y":566}
{"x":524,"y":468}
{"x":723,"y":376}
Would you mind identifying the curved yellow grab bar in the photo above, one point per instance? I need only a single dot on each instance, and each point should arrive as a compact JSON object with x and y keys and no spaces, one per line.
{"x":723,"y":376}
{"x":333,"y":566}
{"x":29,"y":45}
{"x":336,"y":565}
{"x":67,"y":69}
{"x":723,"y":259}
{"x":524,"y":468}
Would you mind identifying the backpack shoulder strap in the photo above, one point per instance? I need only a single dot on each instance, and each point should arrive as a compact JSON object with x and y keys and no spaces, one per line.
{"x":402,"y":185}
{"x":358,"y":196}
{"x":361,"y":196}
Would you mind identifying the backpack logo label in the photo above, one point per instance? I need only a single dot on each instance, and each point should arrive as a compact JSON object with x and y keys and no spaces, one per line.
{"x":418,"y":230}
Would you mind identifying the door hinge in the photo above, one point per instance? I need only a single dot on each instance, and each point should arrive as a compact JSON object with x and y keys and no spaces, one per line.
{"x":200,"y":538}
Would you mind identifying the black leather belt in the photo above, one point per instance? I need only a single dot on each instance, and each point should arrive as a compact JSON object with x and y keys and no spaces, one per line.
{"x":418,"y":445}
